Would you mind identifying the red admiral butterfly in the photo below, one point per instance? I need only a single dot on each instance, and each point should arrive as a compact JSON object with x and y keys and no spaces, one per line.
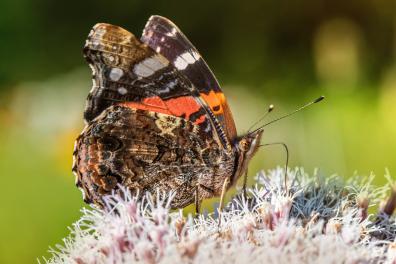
{"x":156,"y":119}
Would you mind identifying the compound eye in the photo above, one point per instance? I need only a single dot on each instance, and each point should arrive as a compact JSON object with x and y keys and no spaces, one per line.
{"x":243,"y":144}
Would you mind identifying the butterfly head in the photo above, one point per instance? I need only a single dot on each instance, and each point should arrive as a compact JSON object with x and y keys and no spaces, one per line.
{"x":245,"y":147}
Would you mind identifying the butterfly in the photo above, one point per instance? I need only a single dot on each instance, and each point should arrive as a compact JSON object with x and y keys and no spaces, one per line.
{"x":156,"y":119}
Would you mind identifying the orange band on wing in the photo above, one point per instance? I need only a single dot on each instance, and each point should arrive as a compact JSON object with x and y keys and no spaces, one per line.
{"x":215,"y":101}
{"x":218,"y":103}
{"x":181,"y":106}
{"x":150,"y":105}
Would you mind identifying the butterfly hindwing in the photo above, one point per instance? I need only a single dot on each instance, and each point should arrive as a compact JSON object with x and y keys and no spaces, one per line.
{"x":146,"y":150}
{"x":167,"y":39}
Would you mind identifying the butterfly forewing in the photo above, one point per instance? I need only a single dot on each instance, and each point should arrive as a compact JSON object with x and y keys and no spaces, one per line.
{"x":126,"y":70}
{"x":167,"y":39}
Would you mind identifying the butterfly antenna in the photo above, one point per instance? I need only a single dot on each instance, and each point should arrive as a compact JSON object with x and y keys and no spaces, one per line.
{"x":269,"y":110}
{"x":287,"y":159}
{"x":289,"y":114}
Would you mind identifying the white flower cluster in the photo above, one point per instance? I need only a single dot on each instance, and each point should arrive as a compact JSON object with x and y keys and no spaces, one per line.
{"x":314,"y":220}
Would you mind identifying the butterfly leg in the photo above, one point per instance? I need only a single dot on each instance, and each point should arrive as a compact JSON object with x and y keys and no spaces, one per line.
{"x":223,"y":193}
{"x":198,"y":202}
{"x":245,"y":184}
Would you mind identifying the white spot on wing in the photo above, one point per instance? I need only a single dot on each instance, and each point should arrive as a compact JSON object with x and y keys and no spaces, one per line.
{"x":150,"y":65}
{"x":183,"y":60}
{"x":122,"y":90}
{"x":180,"y":63}
{"x":116,"y":74}
{"x":188,"y":58}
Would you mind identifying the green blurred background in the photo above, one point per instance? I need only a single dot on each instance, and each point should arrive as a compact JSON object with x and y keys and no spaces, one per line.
{"x":263,"y":52}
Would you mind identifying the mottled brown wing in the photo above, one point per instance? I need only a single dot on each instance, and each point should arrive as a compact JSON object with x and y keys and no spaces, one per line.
{"x":143,"y":150}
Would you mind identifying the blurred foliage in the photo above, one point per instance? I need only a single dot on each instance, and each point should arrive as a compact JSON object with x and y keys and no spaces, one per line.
{"x":239,"y":39}
{"x":263,"y":52}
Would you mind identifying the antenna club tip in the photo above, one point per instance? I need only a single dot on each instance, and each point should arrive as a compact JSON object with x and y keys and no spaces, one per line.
{"x":271,"y":107}
{"x":319,"y":99}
